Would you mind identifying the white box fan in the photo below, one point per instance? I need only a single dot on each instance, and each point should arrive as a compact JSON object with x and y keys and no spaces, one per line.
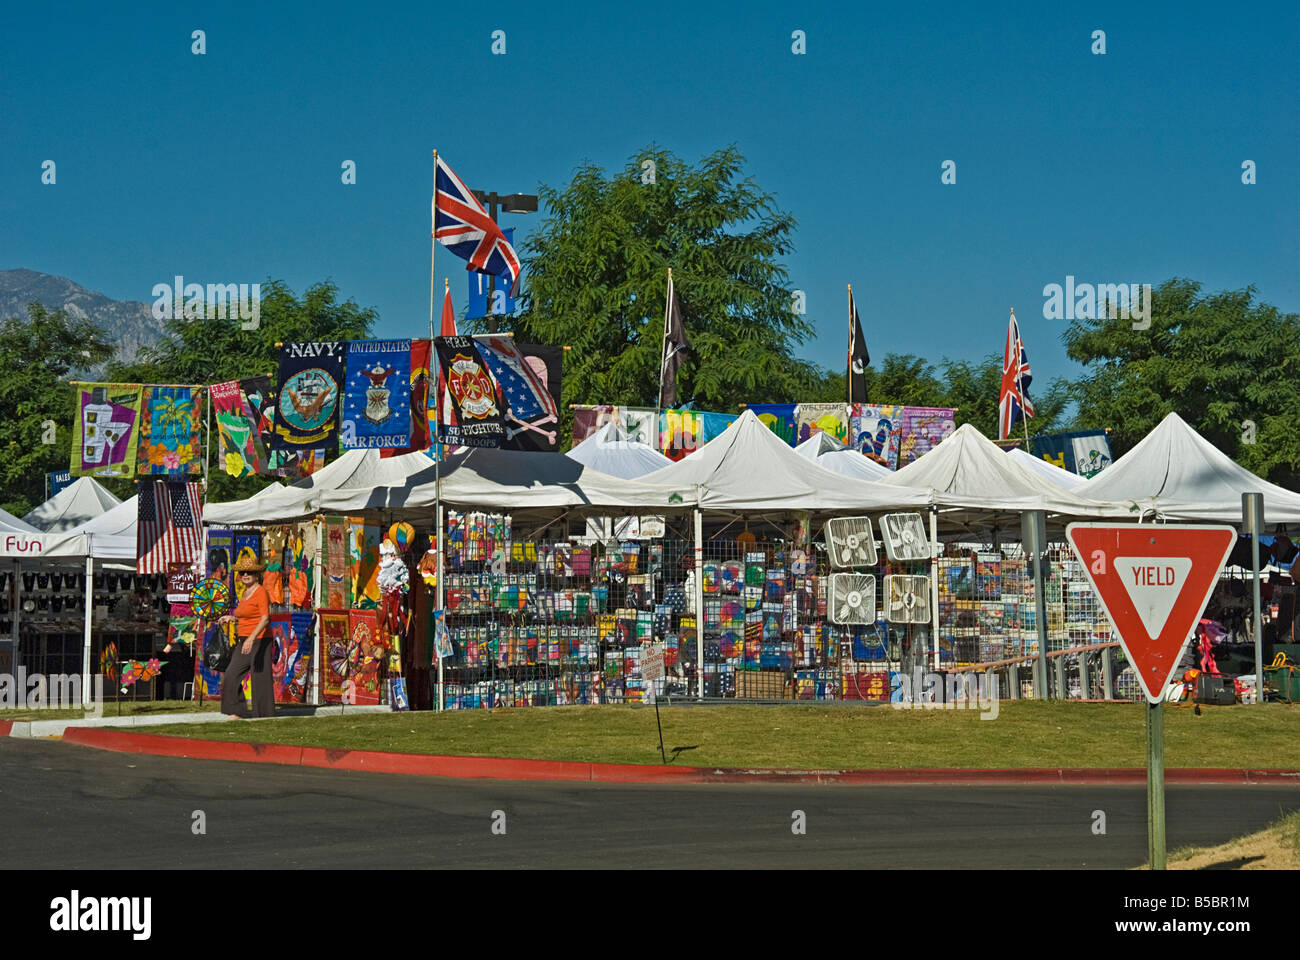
{"x":907,"y":599}
{"x":904,"y":536}
{"x":853,"y":599}
{"x":850,"y":543}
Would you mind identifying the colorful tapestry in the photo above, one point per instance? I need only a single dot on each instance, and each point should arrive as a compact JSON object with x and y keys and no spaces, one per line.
{"x":301,"y":564}
{"x":923,"y":429}
{"x":540,"y":435}
{"x":679,"y":432}
{"x":639,"y":423}
{"x":811,"y":418}
{"x":308,"y":388}
{"x":291,"y":669}
{"x":237,"y":427}
{"x":336,"y":590}
{"x":777,"y":417}
{"x":367,"y":654}
{"x":421,"y":356}
{"x":248,"y":543}
{"x":363,"y":561}
{"x":171,"y":444}
{"x":104,"y":430}
{"x":875,"y":431}
{"x":377,"y":399}
{"x":336,"y":657}
{"x":590,"y":419}
{"x":221,"y":556}
{"x":1084,"y":452}
{"x":207,"y":683}
{"x":473,"y":417}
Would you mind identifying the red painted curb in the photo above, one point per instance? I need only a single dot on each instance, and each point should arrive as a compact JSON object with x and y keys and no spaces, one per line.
{"x":5,"y":727}
{"x":504,"y":768}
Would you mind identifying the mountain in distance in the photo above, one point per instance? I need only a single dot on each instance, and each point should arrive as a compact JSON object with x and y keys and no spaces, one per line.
{"x":128,"y":324}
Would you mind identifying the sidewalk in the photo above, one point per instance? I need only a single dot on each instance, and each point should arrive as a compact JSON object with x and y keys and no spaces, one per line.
{"x":57,"y":728}
{"x":500,"y":768}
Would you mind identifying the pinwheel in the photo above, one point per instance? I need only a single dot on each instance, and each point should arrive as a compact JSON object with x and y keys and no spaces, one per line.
{"x":210,"y":598}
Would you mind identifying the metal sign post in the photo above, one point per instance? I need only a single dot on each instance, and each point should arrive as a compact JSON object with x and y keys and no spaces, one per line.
{"x":652,"y":669}
{"x":1252,"y":516}
{"x":1156,"y":785}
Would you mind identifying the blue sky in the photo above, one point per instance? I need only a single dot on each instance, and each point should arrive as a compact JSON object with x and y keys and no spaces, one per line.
{"x":1119,"y":168}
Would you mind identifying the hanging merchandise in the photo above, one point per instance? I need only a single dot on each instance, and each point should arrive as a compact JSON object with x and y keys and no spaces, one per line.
{"x":169,"y":525}
{"x":276,"y":540}
{"x":248,"y":546}
{"x":547,"y":366}
{"x":171,"y":443}
{"x":1083,"y":452}
{"x":875,"y":431}
{"x":640,"y":424}
{"x":291,"y":668}
{"x":923,"y":429}
{"x":377,"y":401}
{"x":242,"y":453}
{"x":474,"y":418}
{"x":336,"y":588}
{"x":367,"y":655}
{"x":812,"y":418}
{"x":336,"y":648}
{"x":530,"y":408}
{"x":587,"y":420}
{"x":363,"y":562}
{"x":306,"y":410}
{"x":221,"y":556}
{"x":301,"y":546}
{"x":421,"y":371}
{"x":777,"y":417}
{"x":393,"y":579}
{"x":104,"y":430}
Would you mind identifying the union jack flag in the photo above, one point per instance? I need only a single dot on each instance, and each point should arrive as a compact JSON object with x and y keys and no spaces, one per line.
{"x":1014,"y":403}
{"x":462,"y":225}
{"x":169,"y":525}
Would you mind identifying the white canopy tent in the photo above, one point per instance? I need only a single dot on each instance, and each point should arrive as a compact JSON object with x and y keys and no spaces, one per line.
{"x":509,"y":480}
{"x":84,"y":499}
{"x":748,"y":467}
{"x":825,"y":451}
{"x":970,"y":477}
{"x":356,"y":470}
{"x":1062,"y":478}
{"x":1179,"y":475}
{"x":612,"y":451}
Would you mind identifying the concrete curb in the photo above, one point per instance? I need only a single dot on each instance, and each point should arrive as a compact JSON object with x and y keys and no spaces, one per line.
{"x":500,"y":768}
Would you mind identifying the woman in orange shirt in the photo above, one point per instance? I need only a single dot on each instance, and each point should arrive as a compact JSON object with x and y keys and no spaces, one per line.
{"x":253,"y":654}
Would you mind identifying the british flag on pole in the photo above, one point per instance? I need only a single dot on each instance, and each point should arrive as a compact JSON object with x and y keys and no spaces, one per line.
{"x":1014,"y":403}
{"x":462,"y":225}
{"x":169,"y":525}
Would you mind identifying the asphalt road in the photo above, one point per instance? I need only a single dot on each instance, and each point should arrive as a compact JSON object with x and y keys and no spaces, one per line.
{"x":64,"y":806}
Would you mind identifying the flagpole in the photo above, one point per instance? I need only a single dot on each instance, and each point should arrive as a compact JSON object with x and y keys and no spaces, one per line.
{"x":433,"y":440}
{"x":433,"y":241}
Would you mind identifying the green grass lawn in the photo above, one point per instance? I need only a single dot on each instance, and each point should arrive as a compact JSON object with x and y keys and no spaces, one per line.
{"x":111,"y":709}
{"x":1025,"y":734}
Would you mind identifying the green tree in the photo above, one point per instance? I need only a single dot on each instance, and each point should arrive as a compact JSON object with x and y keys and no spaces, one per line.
{"x":210,"y":350}
{"x":597,"y":273}
{"x":37,"y":354}
{"x":1224,"y":362}
{"x":975,"y":389}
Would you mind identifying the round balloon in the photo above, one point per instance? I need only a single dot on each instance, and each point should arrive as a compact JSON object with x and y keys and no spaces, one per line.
{"x":402,"y":535}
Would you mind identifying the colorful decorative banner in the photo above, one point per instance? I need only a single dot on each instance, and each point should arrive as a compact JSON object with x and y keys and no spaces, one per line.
{"x":366,"y":654}
{"x":363,"y":561}
{"x":291,"y":668}
{"x":811,"y":418}
{"x":336,"y":590}
{"x":587,"y":421}
{"x":1084,"y":452}
{"x":221,"y":556}
{"x":377,"y":402}
{"x":248,"y":543}
{"x":103,"y":432}
{"x":923,"y":429}
{"x":171,"y":444}
{"x":241,"y":451}
{"x":777,"y":417}
{"x":336,"y":645}
{"x":421,"y":356}
{"x":640,"y":424}
{"x":682,"y":432}
{"x":306,"y":411}
{"x":475,"y":417}
{"x":541,"y":434}
{"x":876,"y":430}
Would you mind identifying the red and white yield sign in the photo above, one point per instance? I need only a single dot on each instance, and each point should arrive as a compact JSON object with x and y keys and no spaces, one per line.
{"x":1154,"y":582}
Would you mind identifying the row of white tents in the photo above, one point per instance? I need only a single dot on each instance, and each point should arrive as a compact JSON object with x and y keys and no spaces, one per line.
{"x":1172,"y":474}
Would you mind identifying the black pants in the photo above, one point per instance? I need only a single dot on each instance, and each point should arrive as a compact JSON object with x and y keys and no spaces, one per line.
{"x":259,"y":664}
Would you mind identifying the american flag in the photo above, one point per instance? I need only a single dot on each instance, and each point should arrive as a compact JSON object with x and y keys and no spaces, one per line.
{"x":462,"y":225}
{"x":170,"y":525}
{"x":1014,"y":403}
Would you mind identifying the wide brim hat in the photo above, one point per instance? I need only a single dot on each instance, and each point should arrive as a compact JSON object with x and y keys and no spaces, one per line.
{"x":248,"y":564}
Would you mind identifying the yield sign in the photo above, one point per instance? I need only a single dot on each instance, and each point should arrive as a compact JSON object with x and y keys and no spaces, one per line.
{"x":1154,"y":583}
